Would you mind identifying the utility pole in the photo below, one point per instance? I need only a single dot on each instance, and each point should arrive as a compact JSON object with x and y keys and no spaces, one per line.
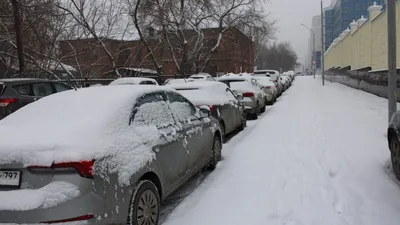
{"x":322,"y":44}
{"x":18,"y":35}
{"x":392,"y":77}
{"x":314,"y":57}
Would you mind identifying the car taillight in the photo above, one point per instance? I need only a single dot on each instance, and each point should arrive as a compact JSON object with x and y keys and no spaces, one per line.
{"x":248,"y":94}
{"x":84,"y":168}
{"x":79,"y":218}
{"x":6,"y":101}
{"x":267,"y":86}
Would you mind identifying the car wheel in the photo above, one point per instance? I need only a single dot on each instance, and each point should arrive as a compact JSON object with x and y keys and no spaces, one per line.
{"x":262,"y":110}
{"x":145,"y":204}
{"x":222,"y":126}
{"x":395,"y":155}
{"x":244,"y":122}
{"x":254,"y":116}
{"x":216,"y":152}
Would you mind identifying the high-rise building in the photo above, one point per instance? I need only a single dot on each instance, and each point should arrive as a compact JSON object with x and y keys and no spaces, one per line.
{"x":341,"y":13}
{"x":316,"y":29}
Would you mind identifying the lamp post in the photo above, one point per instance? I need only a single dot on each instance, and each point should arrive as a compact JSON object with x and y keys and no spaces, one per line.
{"x":314,"y":53}
{"x":392,"y":77}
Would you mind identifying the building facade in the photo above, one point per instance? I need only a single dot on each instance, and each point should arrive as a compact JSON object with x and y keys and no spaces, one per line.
{"x":234,"y":54}
{"x":314,"y":62}
{"x":341,"y":13}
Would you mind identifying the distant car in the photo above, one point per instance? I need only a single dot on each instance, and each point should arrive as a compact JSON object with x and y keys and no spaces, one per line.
{"x":18,"y":92}
{"x":275,"y":77}
{"x":271,"y":93}
{"x":250,"y":89}
{"x":179,"y":81}
{"x":134,"y":81}
{"x":287,"y":81}
{"x":224,"y":105}
{"x":202,"y":76}
{"x":102,"y":155}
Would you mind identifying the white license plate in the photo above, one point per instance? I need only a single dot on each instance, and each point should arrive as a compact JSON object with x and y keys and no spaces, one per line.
{"x":10,"y":178}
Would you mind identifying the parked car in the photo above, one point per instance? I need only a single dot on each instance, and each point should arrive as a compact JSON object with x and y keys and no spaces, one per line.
{"x":275,"y":77}
{"x":224,"y":104}
{"x":284,"y":82}
{"x":178,"y":81}
{"x":16,"y":93}
{"x":271,"y":93}
{"x":134,"y":81}
{"x":121,"y":153}
{"x":250,"y":89}
{"x":202,"y":76}
{"x":287,"y":81}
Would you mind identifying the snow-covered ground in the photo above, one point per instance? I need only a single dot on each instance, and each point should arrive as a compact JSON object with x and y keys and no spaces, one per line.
{"x":319,"y":156}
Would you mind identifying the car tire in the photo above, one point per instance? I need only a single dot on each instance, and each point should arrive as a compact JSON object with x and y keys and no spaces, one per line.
{"x":216,"y":152}
{"x":223,"y":131}
{"x":395,"y":155}
{"x":254,"y":116}
{"x":244,"y":123}
{"x":262,"y":110}
{"x":145,"y":204}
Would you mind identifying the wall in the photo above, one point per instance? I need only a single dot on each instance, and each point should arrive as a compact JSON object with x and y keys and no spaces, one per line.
{"x":365,"y":46}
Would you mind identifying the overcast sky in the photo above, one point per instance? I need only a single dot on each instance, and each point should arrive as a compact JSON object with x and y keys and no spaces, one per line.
{"x":289,"y":14}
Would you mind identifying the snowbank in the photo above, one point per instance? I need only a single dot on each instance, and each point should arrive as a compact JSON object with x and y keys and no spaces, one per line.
{"x":48,"y":196}
{"x":90,"y":123}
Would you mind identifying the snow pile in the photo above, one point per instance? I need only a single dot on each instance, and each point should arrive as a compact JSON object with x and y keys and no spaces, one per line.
{"x":131,"y":80}
{"x":48,"y":196}
{"x":90,"y":123}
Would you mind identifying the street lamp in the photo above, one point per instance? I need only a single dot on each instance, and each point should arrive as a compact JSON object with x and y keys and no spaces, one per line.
{"x":314,"y":53}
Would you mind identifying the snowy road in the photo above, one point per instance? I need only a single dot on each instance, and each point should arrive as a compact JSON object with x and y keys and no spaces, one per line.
{"x":318,"y":157}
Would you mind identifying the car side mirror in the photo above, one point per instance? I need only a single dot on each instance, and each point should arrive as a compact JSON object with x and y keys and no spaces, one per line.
{"x":239,"y":97}
{"x":204,"y":111}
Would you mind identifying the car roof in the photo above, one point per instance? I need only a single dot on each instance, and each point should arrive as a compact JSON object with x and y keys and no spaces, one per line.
{"x":199,"y":85}
{"x":131,"y":80}
{"x":21,"y":80}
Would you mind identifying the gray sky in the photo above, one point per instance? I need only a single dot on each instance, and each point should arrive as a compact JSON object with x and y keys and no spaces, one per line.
{"x":289,"y":14}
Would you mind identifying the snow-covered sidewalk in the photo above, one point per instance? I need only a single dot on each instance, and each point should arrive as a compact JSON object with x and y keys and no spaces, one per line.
{"x":320,"y":156}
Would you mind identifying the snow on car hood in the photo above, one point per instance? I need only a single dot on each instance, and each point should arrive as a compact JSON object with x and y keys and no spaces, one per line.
{"x":90,"y":123}
{"x":48,"y":196}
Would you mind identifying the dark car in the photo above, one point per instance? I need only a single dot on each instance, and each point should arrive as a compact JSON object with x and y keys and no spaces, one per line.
{"x":394,"y":143}
{"x":223,"y":103}
{"x":16,"y":93}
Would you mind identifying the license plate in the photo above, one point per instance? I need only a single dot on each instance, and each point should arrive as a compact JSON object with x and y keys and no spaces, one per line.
{"x":10,"y":178}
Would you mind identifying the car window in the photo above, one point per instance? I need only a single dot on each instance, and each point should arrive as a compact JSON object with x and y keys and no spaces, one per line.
{"x":147,"y":82}
{"x":23,"y":89}
{"x":42,"y":89}
{"x":181,"y":107}
{"x":61,"y":87}
{"x":152,"y":110}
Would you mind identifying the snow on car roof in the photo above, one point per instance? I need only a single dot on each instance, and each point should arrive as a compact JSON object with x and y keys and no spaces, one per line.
{"x":86,"y":124}
{"x":175,"y":81}
{"x":205,"y":92}
{"x":203,"y":75}
{"x":131,"y":80}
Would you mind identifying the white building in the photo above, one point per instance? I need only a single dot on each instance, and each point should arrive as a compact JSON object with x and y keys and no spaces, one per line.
{"x":316,"y":28}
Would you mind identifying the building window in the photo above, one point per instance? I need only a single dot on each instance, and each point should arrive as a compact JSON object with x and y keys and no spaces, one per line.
{"x":345,"y":9}
{"x":357,"y":7}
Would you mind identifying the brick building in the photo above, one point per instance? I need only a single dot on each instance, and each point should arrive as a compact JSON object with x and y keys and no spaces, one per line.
{"x":234,"y":54}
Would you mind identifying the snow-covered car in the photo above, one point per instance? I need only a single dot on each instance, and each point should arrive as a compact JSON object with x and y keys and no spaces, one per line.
{"x":269,"y":88}
{"x":202,"y":76}
{"x":224,"y":105}
{"x":275,"y":77}
{"x":102,"y":155}
{"x":134,"y":81}
{"x":178,"y":81}
{"x":286,"y":82}
{"x":248,"y":87}
{"x":394,"y":143}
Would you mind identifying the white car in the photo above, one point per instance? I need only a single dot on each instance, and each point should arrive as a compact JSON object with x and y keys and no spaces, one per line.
{"x":275,"y":77}
{"x":202,"y":76}
{"x":247,"y":86}
{"x":179,"y":81}
{"x":134,"y":81}
{"x":271,"y":93}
